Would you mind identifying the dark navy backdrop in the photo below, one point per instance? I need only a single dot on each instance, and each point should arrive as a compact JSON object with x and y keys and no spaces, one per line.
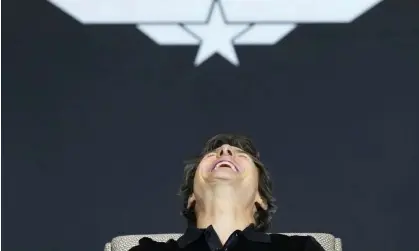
{"x":98,"y":119}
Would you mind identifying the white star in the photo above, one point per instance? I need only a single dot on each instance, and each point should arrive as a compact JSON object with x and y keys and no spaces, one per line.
{"x":216,"y":36}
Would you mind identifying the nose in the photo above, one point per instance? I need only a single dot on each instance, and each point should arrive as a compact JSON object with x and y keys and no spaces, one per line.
{"x":225,"y":150}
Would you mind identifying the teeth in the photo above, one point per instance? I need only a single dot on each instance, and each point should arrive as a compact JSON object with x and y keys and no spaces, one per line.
{"x":225,"y":163}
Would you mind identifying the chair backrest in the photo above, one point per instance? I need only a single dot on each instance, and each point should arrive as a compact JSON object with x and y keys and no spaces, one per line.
{"x":124,"y":243}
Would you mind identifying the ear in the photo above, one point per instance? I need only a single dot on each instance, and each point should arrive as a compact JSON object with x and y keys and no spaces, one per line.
{"x":262,"y":203}
{"x":191,"y":200}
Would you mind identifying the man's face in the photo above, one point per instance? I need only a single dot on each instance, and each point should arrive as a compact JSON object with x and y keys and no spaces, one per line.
{"x":228,"y":165}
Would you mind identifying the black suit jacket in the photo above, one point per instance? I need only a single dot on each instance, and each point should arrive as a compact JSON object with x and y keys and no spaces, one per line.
{"x":278,"y":242}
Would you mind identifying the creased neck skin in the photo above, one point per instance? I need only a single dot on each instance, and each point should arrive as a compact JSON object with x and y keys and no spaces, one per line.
{"x":222,"y":208}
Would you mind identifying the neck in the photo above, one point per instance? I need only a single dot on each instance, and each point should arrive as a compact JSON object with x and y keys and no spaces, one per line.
{"x":226,"y":214}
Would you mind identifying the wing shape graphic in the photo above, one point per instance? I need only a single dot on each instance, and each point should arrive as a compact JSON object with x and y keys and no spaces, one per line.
{"x":168,"y":34}
{"x":296,"y":11}
{"x":274,"y":19}
{"x":158,"y":19}
{"x":135,"y":11}
{"x":264,"y":34}
{"x":162,"y":20}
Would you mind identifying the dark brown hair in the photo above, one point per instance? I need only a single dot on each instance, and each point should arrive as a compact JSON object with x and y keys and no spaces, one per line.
{"x":262,"y":217}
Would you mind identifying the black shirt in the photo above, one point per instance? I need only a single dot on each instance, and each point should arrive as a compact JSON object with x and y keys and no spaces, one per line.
{"x":193,"y":234}
{"x":247,"y":240}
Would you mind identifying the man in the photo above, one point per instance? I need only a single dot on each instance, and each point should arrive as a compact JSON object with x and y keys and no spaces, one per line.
{"x":228,"y":203}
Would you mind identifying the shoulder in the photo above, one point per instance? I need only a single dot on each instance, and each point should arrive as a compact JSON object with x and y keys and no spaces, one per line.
{"x":295,"y":243}
{"x":147,"y":244}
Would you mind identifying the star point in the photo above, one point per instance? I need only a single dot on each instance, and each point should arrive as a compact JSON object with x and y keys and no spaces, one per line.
{"x":216,"y":36}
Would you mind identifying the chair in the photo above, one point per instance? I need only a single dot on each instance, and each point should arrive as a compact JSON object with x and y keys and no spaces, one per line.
{"x":124,"y":243}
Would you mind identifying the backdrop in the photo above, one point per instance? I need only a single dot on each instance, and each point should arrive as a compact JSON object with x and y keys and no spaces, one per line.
{"x":97,"y":120}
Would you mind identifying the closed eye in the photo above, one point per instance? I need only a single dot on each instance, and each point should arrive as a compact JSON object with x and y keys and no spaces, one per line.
{"x":242,"y":155}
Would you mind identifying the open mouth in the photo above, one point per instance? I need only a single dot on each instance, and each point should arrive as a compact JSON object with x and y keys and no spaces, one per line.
{"x":225,"y":164}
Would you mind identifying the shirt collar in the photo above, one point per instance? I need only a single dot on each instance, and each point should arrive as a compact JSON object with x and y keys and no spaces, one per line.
{"x":192,"y":234}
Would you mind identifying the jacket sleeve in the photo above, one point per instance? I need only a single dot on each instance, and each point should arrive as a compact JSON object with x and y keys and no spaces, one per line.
{"x":313,"y":245}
